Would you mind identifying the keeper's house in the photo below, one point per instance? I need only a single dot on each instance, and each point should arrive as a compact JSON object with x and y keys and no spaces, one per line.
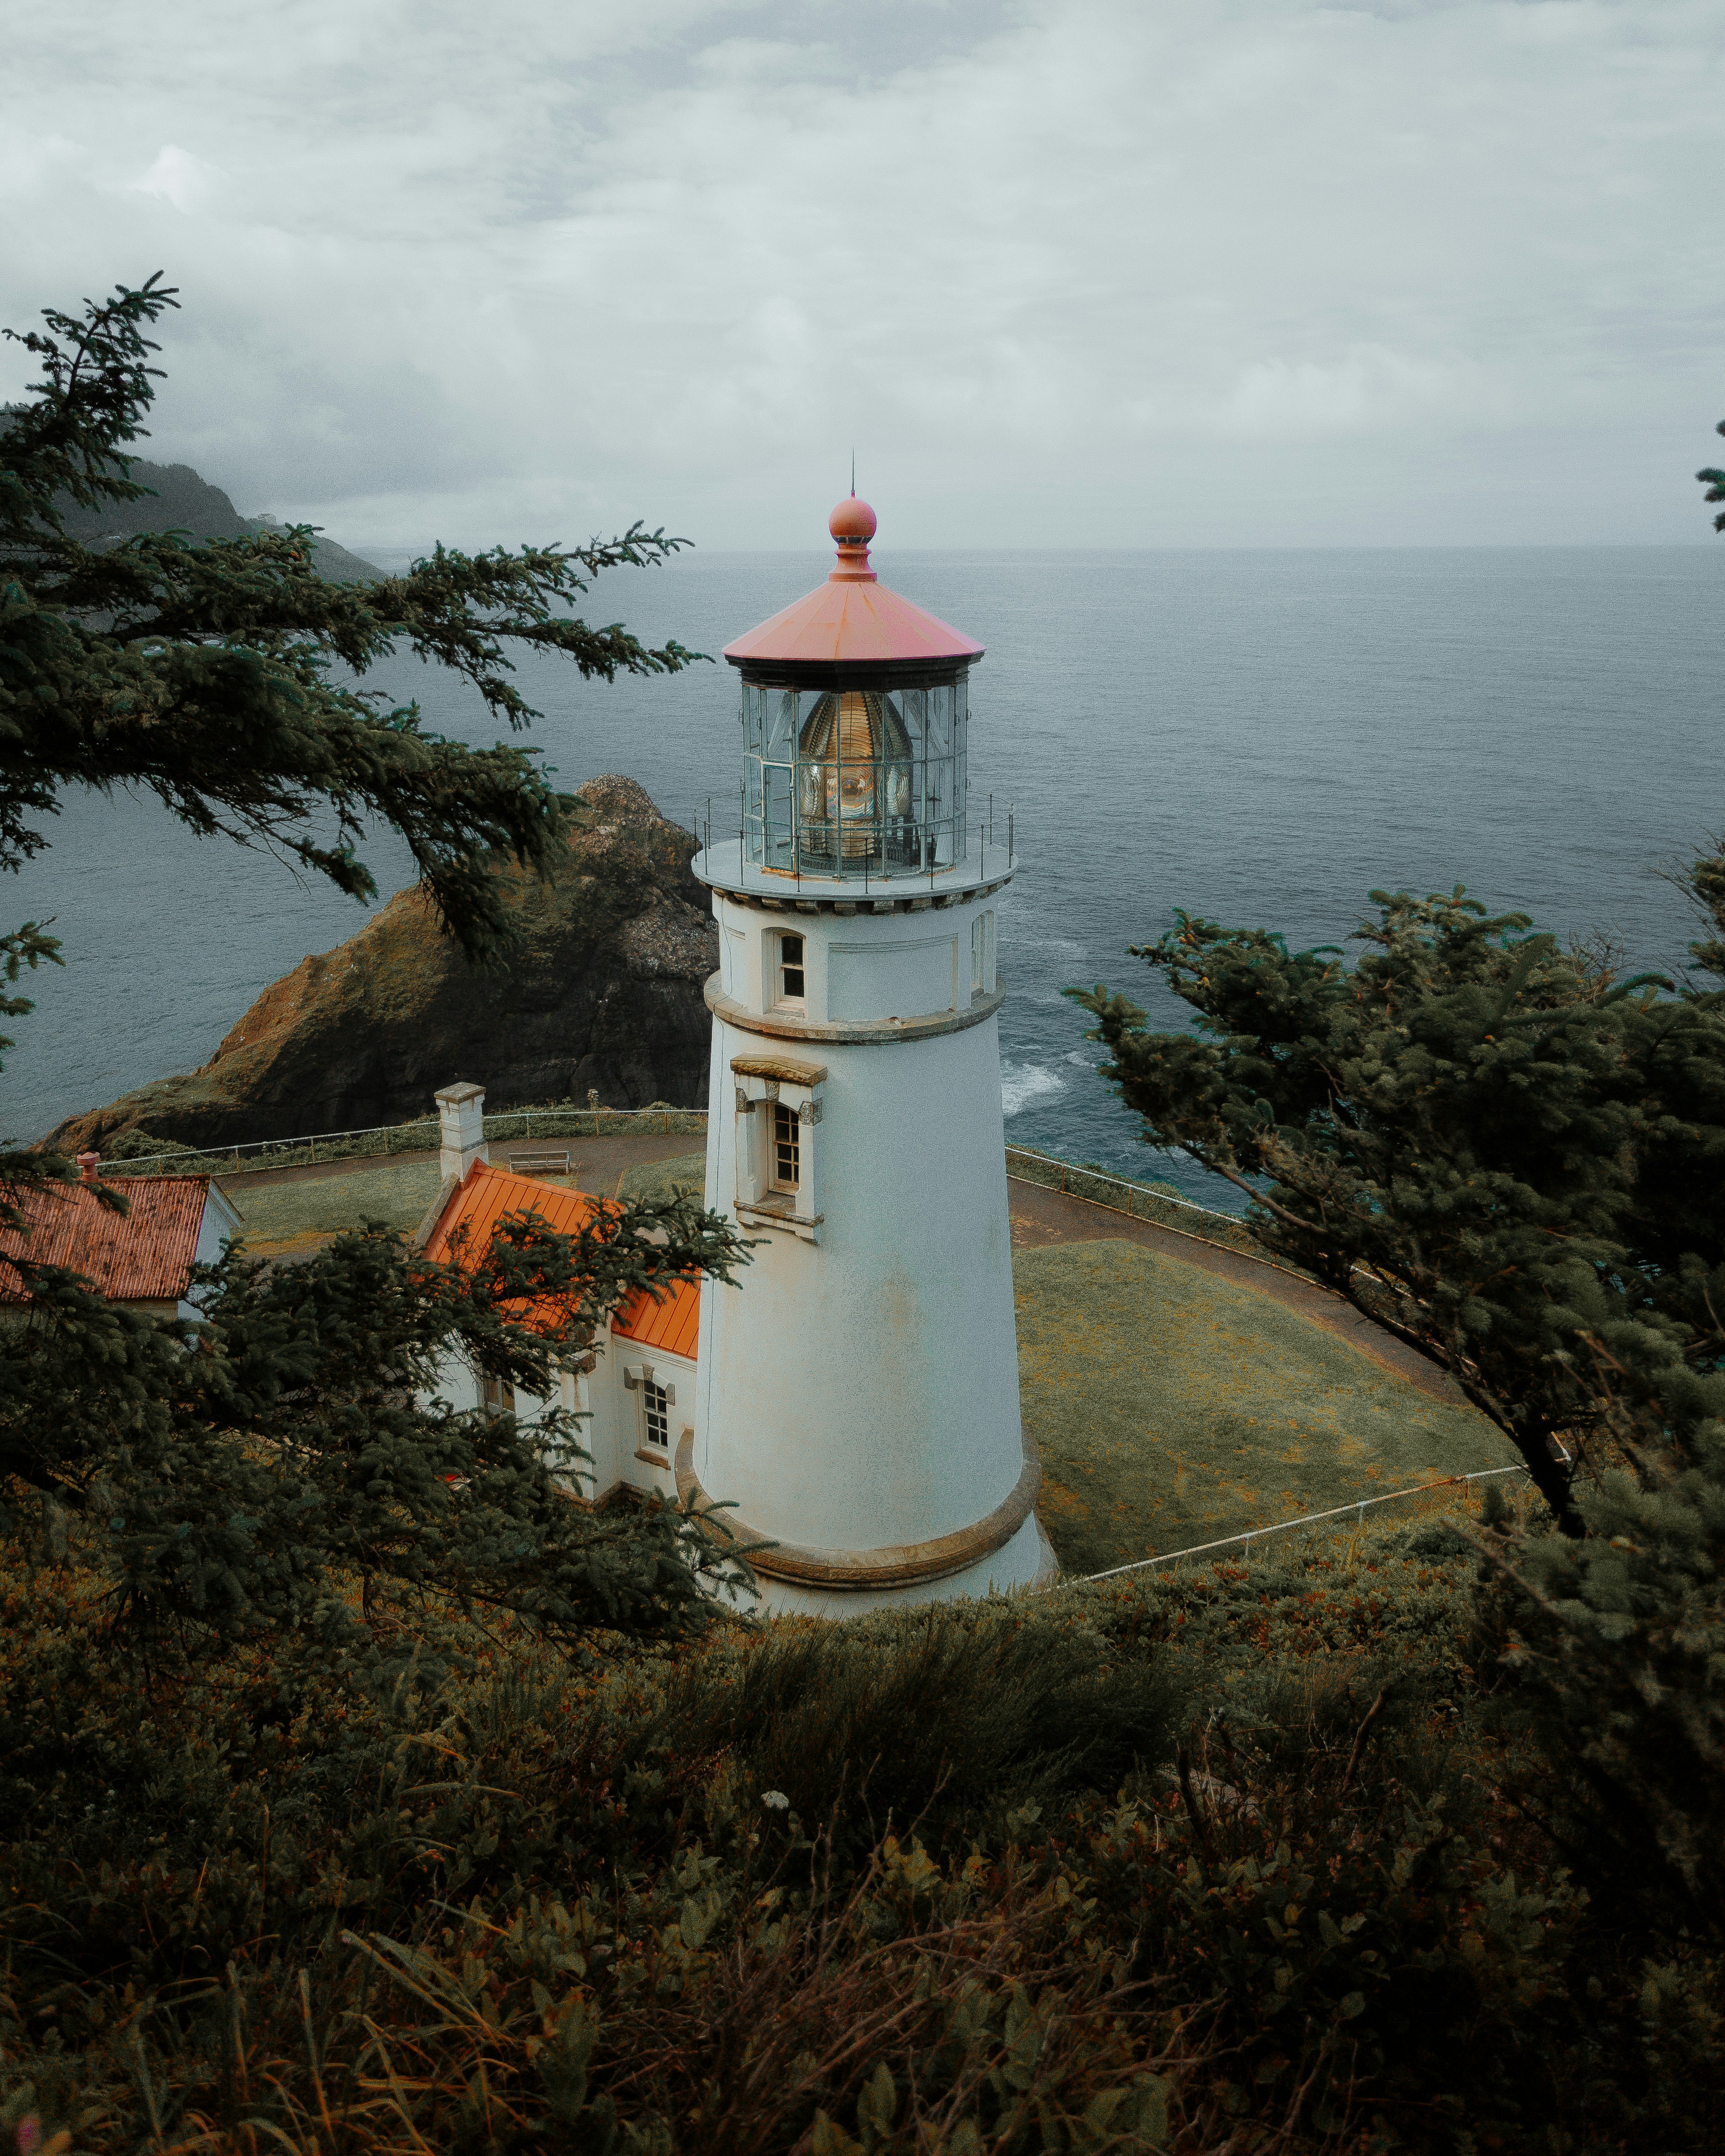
{"x":141,"y":1259}
{"x":635,"y":1384}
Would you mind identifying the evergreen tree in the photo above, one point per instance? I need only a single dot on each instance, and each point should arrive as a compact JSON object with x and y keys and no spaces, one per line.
{"x":1714,"y":481}
{"x":1487,"y":1144}
{"x":239,"y":1473}
{"x":1516,"y":1164}
{"x":205,"y":673}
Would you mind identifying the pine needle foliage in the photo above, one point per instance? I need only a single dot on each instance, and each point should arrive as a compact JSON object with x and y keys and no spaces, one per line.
{"x":267,"y":1470}
{"x":1489,"y":1144}
{"x":1517,"y":1162}
{"x":226,"y":678}
{"x":232,"y":1469}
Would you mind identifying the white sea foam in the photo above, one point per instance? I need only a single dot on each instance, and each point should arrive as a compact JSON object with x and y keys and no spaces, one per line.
{"x":1022,"y":1083}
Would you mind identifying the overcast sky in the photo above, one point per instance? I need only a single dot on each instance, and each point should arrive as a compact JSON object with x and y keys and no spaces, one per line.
{"x":1067,"y":272}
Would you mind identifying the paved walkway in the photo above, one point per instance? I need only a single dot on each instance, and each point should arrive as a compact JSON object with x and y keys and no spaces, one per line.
{"x":1040,"y":1216}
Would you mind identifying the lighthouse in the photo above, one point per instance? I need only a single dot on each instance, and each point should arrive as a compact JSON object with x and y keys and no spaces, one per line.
{"x":857,"y":1392}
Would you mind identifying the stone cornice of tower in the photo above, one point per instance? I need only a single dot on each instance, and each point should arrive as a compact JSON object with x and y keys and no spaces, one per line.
{"x":895,"y":1564}
{"x":786,"y":1025}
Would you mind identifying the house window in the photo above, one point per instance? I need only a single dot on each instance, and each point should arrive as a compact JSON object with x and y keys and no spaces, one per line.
{"x":656,"y":1410}
{"x":791,"y":982}
{"x":787,"y":1148}
{"x":497,"y":1396}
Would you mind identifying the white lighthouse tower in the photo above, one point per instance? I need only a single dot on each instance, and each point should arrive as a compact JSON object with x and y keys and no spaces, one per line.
{"x":858,"y":1391}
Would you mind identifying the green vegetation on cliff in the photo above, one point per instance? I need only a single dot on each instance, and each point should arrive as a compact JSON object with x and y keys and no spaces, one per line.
{"x":177,"y":499}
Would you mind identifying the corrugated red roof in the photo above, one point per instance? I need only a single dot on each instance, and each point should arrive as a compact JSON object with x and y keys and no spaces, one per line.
{"x":674,"y":1325}
{"x":145,"y":1255}
{"x":490,"y":1195}
{"x":852,"y":619}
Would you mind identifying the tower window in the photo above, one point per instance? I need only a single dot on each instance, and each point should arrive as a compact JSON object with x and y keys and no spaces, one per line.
{"x":656,"y":1410}
{"x":791,"y":974}
{"x":787,"y":1147}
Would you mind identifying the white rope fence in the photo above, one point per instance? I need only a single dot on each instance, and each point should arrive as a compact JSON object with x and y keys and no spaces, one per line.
{"x":1307,"y":1520}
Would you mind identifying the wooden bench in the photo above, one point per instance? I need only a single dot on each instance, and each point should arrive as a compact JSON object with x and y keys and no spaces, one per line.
{"x":539,"y":1163}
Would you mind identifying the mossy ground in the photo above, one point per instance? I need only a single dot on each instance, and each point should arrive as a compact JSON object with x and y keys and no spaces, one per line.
{"x":280,"y":1215}
{"x":1172,"y":1407}
{"x":685,"y":1176}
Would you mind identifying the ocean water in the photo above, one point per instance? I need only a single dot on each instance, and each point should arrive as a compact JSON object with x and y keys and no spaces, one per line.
{"x":1261,"y":737}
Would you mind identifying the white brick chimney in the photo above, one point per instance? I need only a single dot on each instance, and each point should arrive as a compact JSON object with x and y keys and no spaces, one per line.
{"x":461,"y":1117}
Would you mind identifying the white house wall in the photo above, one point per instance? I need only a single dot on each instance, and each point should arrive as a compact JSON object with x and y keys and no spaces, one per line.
{"x":219,"y":1225}
{"x":611,"y":1431}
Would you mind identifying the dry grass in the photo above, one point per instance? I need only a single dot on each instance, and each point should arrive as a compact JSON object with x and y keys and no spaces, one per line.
{"x":685,"y":1176}
{"x":298,"y":1213}
{"x":1172,"y":1407}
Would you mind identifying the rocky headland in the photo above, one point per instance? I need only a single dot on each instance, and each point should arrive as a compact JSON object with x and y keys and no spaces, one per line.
{"x":601,"y":990}
{"x":179,"y":500}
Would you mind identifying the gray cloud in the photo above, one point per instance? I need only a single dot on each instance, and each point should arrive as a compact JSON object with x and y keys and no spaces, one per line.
{"x":1252,"y":272}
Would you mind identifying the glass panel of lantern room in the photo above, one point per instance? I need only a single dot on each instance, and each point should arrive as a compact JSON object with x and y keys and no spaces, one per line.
{"x":781,"y":725}
{"x":754,"y":712}
{"x":939,"y":720}
{"x":752,"y":819}
{"x":903,"y":841}
{"x":779,"y":836}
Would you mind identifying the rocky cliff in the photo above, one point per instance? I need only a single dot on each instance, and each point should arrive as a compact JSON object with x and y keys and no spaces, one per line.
{"x":603,"y":990}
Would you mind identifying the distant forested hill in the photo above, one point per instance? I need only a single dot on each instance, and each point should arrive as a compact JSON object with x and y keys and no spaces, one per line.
{"x":180,"y":500}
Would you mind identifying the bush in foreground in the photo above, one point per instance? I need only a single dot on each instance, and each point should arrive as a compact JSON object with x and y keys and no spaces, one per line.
{"x":1230,"y":1859}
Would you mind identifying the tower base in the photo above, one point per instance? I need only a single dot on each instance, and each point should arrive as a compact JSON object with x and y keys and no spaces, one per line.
{"x":1027,"y":1560}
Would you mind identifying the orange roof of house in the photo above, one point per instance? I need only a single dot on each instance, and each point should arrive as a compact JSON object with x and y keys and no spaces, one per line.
{"x":852,"y":619}
{"x":489,"y":1196}
{"x":144,"y":1255}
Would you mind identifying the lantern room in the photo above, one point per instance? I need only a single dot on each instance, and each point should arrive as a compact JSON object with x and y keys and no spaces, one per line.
{"x":855,"y":713}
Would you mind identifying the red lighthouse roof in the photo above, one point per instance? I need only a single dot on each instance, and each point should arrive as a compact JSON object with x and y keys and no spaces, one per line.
{"x":852,"y":620}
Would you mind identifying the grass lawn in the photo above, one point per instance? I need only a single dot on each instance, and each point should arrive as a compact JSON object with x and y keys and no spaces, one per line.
{"x":287,"y":1214}
{"x":1172,"y":1407}
{"x":660,"y":1179}
{"x":290,"y":1217}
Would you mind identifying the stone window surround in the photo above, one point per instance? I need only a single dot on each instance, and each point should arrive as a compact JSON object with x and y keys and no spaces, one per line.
{"x":764,"y":1083}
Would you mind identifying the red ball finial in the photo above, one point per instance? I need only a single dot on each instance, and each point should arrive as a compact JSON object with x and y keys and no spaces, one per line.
{"x":852,"y":522}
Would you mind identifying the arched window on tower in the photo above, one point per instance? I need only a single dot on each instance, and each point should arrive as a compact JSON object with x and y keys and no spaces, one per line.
{"x":790,"y":974}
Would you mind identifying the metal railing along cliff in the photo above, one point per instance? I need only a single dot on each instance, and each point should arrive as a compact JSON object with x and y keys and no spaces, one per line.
{"x":1140,"y":1201}
{"x":1148,"y":1202}
{"x":423,"y":1135}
